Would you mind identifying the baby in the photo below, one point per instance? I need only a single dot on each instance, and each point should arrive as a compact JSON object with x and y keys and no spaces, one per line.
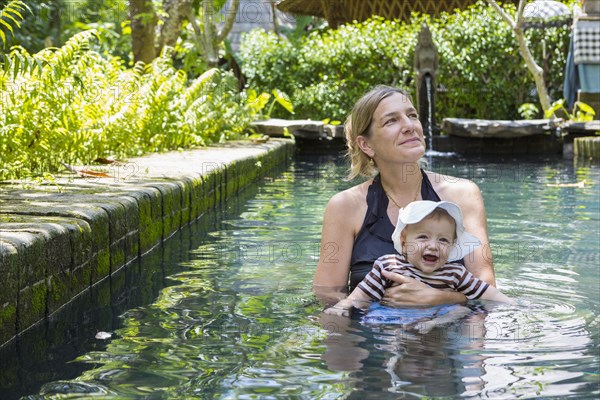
{"x":427,"y":235}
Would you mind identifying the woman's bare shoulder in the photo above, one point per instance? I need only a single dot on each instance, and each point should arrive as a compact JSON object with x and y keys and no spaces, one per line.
{"x":352,"y":197}
{"x":348,"y":207}
{"x":451,"y":188}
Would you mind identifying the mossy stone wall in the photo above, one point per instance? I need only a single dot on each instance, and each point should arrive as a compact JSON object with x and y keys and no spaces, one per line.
{"x":57,"y":241}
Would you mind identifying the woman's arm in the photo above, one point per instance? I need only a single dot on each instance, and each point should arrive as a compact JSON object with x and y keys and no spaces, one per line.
{"x":468,"y":197}
{"x":479,"y":262}
{"x":337,"y":239}
{"x":494,"y":294}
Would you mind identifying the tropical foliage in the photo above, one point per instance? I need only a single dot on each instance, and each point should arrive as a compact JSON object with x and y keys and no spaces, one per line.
{"x":582,"y":112}
{"x":70,"y":91}
{"x":72,"y":105}
{"x":11,"y":16}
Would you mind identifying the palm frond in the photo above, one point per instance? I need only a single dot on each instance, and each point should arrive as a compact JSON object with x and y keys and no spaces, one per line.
{"x":11,"y":16}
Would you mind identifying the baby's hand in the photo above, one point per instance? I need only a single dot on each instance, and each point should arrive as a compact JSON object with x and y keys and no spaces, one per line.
{"x":338,"y":311}
{"x":341,"y":308}
{"x":425,"y":326}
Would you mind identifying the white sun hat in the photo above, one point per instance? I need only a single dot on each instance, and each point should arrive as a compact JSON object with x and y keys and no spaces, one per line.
{"x":418,"y":210}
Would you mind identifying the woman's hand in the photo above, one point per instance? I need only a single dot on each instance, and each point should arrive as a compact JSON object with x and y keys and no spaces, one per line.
{"x":409,"y":291}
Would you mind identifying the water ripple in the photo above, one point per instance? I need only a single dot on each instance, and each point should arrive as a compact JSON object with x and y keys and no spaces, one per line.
{"x":238,"y":318}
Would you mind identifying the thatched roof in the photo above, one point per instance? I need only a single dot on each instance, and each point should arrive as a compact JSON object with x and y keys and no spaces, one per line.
{"x":341,"y":11}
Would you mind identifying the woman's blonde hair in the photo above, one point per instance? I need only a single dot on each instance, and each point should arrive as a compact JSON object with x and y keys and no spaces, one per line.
{"x":359,"y":124}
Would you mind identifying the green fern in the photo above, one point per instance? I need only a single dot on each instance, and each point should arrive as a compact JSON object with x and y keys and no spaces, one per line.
{"x":72,"y":105}
{"x":63,"y":58}
{"x":199,"y":87}
{"x":10,"y":16}
{"x":19,"y":61}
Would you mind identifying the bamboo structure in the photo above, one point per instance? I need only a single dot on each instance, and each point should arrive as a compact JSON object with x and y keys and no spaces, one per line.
{"x":338,"y":12}
{"x":587,"y":147}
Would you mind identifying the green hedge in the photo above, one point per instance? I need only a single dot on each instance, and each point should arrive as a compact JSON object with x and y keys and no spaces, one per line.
{"x":482,"y":74}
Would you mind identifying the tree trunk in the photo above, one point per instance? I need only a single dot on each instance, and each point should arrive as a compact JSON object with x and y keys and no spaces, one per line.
{"x":231,"y":14}
{"x":143,"y":23}
{"x":177,"y":11}
{"x":207,"y":37}
{"x":534,"y":69}
{"x":275,"y":20}
{"x":211,"y":51}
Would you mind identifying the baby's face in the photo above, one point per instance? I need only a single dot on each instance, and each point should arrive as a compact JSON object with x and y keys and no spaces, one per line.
{"x":426,"y":244}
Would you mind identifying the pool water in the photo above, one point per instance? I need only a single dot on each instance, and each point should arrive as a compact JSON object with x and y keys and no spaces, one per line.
{"x":231,"y":314}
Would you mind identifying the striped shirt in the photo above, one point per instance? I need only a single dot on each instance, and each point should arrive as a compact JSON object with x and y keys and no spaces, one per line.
{"x":451,"y":276}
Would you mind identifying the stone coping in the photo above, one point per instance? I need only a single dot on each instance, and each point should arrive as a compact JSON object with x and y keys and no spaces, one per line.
{"x":505,"y":129}
{"x":588,"y":128}
{"x":299,"y":128}
{"x":58,"y":240}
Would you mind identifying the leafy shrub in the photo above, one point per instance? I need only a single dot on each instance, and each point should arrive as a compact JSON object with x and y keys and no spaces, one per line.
{"x":327,"y":71}
{"x":482,"y":74}
{"x":480,"y":66}
{"x":482,"y":69}
{"x":74,"y":105}
{"x":582,"y":112}
{"x":267,"y":60}
{"x":10,"y":16}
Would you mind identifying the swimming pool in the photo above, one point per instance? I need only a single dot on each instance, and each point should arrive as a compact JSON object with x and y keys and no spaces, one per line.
{"x":228,"y":311}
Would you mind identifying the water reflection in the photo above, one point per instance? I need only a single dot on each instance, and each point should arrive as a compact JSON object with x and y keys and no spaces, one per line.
{"x":444,"y":361}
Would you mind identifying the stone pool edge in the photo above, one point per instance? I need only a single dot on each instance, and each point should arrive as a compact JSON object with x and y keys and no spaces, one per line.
{"x":59,"y":240}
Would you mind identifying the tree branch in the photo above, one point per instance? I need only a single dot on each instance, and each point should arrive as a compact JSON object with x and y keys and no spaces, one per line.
{"x":502,"y":13}
{"x":228,"y":21}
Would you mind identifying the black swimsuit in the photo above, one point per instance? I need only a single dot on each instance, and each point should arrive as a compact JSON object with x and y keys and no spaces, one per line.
{"x":375,"y":236}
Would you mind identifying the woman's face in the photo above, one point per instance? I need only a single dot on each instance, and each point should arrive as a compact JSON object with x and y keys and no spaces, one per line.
{"x":396,"y":132}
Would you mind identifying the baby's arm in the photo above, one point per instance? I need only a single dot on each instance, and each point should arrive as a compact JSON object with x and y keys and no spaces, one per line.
{"x":475,"y":288}
{"x":370,"y":288}
{"x":455,"y":314}
{"x":342,"y":307}
{"x":494,"y":294}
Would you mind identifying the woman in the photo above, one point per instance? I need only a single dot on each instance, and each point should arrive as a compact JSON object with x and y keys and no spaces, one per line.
{"x":385,"y":136}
